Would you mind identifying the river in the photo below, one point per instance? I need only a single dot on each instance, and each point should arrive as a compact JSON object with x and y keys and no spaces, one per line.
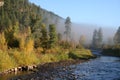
{"x":101,"y":68}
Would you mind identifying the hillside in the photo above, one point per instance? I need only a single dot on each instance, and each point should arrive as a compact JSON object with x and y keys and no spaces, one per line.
{"x":26,"y":13}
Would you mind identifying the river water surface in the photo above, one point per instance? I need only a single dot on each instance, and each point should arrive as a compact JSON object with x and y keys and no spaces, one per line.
{"x":102,"y":68}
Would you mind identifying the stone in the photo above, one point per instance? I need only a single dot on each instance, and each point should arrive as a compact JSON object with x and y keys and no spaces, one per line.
{"x":34,"y":66}
{"x":24,"y":68}
{"x":15,"y":69}
{"x":30,"y":67}
{"x":19,"y":68}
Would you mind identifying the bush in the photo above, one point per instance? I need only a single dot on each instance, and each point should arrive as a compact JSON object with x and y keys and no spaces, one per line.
{"x":6,"y":62}
{"x":80,"y":54}
{"x":29,"y":46}
{"x":23,"y":58}
{"x":48,"y":58}
{"x":62,"y":55}
{"x":74,"y":55}
{"x":3,"y":44}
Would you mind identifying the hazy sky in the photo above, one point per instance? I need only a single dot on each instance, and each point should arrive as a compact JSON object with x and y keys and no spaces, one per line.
{"x":98,"y":12}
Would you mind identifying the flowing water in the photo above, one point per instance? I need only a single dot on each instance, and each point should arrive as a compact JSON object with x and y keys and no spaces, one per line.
{"x":102,"y":68}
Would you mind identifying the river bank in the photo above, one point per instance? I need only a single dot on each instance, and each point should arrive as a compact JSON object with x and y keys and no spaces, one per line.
{"x":102,"y":68}
{"x":44,"y":69}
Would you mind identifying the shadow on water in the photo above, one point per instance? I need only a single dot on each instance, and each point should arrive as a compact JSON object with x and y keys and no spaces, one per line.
{"x":109,"y":59}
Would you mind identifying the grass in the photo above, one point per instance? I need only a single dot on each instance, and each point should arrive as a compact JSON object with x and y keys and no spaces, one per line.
{"x":80,"y":54}
{"x":14,"y":57}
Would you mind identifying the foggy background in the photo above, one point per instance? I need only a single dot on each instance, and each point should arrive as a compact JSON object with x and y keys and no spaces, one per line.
{"x":79,"y":29}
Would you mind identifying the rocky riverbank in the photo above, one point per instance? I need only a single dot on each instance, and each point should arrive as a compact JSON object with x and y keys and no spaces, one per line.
{"x":48,"y":70}
{"x":101,"y":68}
{"x":18,"y":69}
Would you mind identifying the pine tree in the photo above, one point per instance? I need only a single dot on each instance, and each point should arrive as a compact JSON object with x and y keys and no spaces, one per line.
{"x":53,"y":36}
{"x":95,"y":39}
{"x":117,"y":36}
{"x":44,"y":37}
{"x":68,"y":28}
{"x":100,"y":37}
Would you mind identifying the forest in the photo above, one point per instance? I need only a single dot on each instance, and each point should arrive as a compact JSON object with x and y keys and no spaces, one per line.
{"x":30,"y":36}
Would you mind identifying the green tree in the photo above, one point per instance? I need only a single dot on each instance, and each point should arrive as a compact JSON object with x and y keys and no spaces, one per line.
{"x":11,"y":35}
{"x":68,"y":28}
{"x":95,"y":39}
{"x":59,"y":35}
{"x":117,"y":36}
{"x":44,"y":37}
{"x":53,"y":36}
{"x":100,"y":37}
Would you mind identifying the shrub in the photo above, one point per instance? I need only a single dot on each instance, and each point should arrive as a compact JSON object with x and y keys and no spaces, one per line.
{"x":3,"y":44}
{"x":22,"y":43}
{"x":6,"y":62}
{"x":62,"y":56}
{"x":23,"y":59}
{"x":48,"y":58}
{"x":74,"y":55}
{"x":80,"y":54}
{"x":29,"y":46}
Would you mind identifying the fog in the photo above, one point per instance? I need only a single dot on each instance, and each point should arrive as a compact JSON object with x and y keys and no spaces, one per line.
{"x":87,"y":30}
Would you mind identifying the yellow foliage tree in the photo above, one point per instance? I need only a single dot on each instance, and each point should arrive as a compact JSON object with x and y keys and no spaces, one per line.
{"x":29,"y":46}
{"x":3,"y":44}
{"x":21,"y":43}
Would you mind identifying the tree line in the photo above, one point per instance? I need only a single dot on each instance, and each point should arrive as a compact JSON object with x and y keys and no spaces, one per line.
{"x":97,"y":41}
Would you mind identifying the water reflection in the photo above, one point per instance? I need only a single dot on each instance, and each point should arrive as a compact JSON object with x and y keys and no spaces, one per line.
{"x":10,"y":75}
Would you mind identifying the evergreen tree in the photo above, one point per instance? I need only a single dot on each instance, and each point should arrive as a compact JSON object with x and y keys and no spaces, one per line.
{"x":68,"y":28}
{"x":44,"y":37}
{"x":100,"y":37}
{"x":27,"y":15}
{"x":95,"y":39}
{"x":117,"y":36}
{"x":59,"y":37}
{"x":11,"y":34}
{"x":53,"y":36}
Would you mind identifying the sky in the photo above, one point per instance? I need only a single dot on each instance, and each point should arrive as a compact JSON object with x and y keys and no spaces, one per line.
{"x":96,"y":12}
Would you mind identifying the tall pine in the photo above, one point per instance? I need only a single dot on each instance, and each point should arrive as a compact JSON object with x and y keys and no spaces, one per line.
{"x":117,"y":36}
{"x":52,"y":35}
